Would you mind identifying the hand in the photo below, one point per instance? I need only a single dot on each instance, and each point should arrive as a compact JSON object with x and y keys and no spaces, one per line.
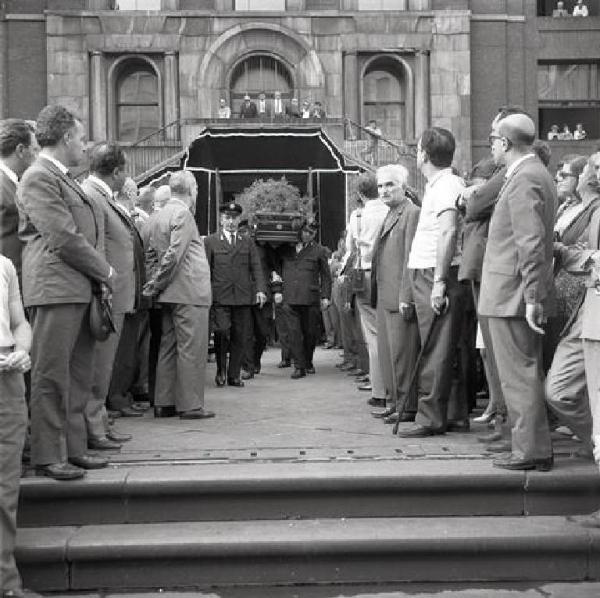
{"x":534,"y":314}
{"x":149,"y":290}
{"x":324,"y":303}
{"x":407,"y":311}
{"x":18,"y":361}
{"x":439,"y":300}
{"x":597,"y":448}
{"x":105,"y":292}
{"x":347,"y":306}
{"x":261,"y":298}
{"x":275,"y":277}
{"x":110,"y":281}
{"x":278,"y":298}
{"x":341,"y":278}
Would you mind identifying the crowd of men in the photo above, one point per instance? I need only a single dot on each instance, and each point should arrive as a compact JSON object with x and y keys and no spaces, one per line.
{"x":275,"y":108}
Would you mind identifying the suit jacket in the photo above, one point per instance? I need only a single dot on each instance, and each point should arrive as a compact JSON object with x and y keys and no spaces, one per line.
{"x":306,"y":275}
{"x":119,"y":233}
{"x":176,"y":260}
{"x":236,"y":271}
{"x":63,"y":232}
{"x":517,"y":267}
{"x":10,"y":244}
{"x":249,"y":111}
{"x":390,"y":257}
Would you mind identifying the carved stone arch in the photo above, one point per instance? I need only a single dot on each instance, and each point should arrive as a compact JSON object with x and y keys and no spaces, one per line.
{"x":407,"y":70}
{"x":257,"y":37}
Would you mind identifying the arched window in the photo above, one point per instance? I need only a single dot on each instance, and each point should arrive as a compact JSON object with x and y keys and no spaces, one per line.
{"x":384,"y":96}
{"x":257,"y":74}
{"x":137,"y":94}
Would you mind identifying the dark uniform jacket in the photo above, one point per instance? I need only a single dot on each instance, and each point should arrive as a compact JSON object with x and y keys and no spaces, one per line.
{"x":63,"y":232}
{"x":306,"y":275}
{"x":236,"y":273}
{"x":10,"y":245}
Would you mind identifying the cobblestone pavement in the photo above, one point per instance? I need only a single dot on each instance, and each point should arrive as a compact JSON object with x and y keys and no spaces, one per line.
{"x":274,"y":418}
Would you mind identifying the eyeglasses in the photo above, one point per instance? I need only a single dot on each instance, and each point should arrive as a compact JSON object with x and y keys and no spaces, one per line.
{"x":491,"y":139}
{"x":561,"y":175}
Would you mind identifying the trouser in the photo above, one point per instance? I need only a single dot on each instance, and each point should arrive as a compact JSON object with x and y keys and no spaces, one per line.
{"x":96,"y":418}
{"x":566,"y":390}
{"x":182,"y":357}
{"x":13,"y":418}
{"x":233,"y":333}
{"x":349,"y":338}
{"x":130,"y":368}
{"x":283,"y":334}
{"x":518,"y":355}
{"x":438,"y":404}
{"x":368,"y":323}
{"x":261,"y":329}
{"x":304,"y":326}
{"x":398,"y":344}
{"x":155,"y":326}
{"x":61,"y":381}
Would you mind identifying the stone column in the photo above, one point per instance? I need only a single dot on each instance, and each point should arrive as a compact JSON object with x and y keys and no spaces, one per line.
{"x":422,"y":92}
{"x":351,"y":82}
{"x":171,"y":94}
{"x":98,"y":92}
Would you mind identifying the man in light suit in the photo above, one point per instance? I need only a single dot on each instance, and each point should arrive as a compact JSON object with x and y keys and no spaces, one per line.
{"x":107,"y":168}
{"x":63,"y":232}
{"x":397,"y":329}
{"x":179,"y":280}
{"x":517,"y":288}
{"x":18,"y":150}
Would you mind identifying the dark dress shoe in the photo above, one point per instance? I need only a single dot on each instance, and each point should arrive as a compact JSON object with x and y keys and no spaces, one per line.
{"x":342,"y":364}
{"x":298,"y":373}
{"x":390,"y":419}
{"x":220,"y":380}
{"x":196,"y":414}
{"x":284,"y":363}
{"x":491,"y":437}
{"x":385,"y":413}
{"x":347,"y":367}
{"x":311,"y":369}
{"x":103,"y":444}
{"x":89,"y":462}
{"x":60,"y":471}
{"x":117,"y":436}
{"x":591,"y":520}
{"x":376,"y":402}
{"x":235,"y":382}
{"x":140,"y":406}
{"x":165,"y":411}
{"x":458,"y":426}
{"x":141,"y":397}
{"x":246,"y":375}
{"x":130,"y":412}
{"x":503,"y":446}
{"x":355,"y":372}
{"x":363,"y":379}
{"x":365,"y":387}
{"x":514,"y":463}
{"x":417,"y":431}
{"x":408,"y":416}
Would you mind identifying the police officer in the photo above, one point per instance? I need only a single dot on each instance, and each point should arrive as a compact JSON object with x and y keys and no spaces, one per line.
{"x":237,"y":283}
{"x":306,"y":290}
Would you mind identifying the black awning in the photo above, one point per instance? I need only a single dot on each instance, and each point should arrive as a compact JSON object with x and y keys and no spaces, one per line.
{"x":272,"y":150}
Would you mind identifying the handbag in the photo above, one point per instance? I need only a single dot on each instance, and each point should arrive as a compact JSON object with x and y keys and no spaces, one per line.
{"x":101,"y":320}
{"x":358,"y":274}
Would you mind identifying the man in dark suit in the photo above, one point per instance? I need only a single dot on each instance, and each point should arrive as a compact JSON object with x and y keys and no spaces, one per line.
{"x":397,"y":330}
{"x":306,"y":290}
{"x":237,"y":283}
{"x":107,"y":175}
{"x":517,"y":288}
{"x":63,"y":232}
{"x":179,"y":280}
{"x":18,"y":150}
{"x":248,"y":109}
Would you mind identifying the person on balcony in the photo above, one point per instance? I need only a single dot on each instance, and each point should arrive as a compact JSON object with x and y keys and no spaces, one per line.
{"x":248,"y":109}
{"x":580,"y":9}
{"x":371,"y":154}
{"x":553,"y":133}
{"x":264,"y":110}
{"x":560,"y":10}
{"x":566,"y":134}
{"x":293,"y":110}
{"x":224,"y":109}
{"x":579,"y":132}
{"x":305,"y":112}
{"x":278,"y":110}
{"x":318,"y":112}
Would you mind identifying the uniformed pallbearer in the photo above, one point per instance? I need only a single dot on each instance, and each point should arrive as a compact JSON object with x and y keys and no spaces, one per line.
{"x":237,"y":284}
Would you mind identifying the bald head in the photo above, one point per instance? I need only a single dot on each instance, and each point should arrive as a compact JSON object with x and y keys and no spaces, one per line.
{"x":519,"y":129}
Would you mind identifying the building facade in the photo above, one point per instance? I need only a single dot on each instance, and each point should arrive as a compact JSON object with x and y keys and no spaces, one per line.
{"x":130,"y":67}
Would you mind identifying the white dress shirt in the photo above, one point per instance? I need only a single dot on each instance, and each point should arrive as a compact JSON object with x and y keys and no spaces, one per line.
{"x":9,"y":172}
{"x":371,"y":219}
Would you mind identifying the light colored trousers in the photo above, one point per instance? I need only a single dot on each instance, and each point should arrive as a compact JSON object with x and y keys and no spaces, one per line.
{"x":368,"y":322}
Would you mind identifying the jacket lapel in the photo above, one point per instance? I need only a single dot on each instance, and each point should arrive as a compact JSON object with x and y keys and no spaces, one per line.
{"x":391,"y":220}
{"x":65,"y":179}
{"x":595,"y":231}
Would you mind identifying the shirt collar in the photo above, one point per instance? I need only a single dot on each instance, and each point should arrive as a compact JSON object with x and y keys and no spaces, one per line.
{"x":56,"y":163}
{"x":177,"y":200}
{"x":101,"y":184}
{"x":437,"y":176}
{"x":9,"y":172}
{"x":510,"y":169}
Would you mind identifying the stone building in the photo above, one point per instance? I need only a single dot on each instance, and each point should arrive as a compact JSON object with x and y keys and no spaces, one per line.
{"x":130,"y":67}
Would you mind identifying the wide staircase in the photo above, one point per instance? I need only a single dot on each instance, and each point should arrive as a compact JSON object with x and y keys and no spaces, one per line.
{"x":342,"y":521}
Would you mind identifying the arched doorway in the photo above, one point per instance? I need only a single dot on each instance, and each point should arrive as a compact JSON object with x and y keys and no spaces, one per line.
{"x":256,"y":74}
{"x":385,"y":96}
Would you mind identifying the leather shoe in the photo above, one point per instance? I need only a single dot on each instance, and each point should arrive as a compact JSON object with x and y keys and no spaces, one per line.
{"x":298,"y":373}
{"x":117,"y":436}
{"x":60,"y":471}
{"x":376,"y":402}
{"x":499,"y":447}
{"x":591,"y":520}
{"x":417,"y":431}
{"x":143,"y":407}
{"x":311,"y":369}
{"x":491,"y":437}
{"x":235,"y":382}
{"x":89,"y":462}
{"x":220,"y":380}
{"x":246,"y":375}
{"x":103,"y":444}
{"x":284,"y":363}
{"x":166,"y":411}
{"x":514,"y":463}
{"x":365,"y":387}
{"x":196,"y":414}
{"x":343,"y":364}
{"x":462,"y":425}
{"x":385,"y":413}
{"x":355,"y":372}
{"x":363,"y":379}
{"x":130,"y":412}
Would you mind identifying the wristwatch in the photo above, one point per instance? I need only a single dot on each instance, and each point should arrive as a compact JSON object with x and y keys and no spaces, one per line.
{"x":439,"y":279}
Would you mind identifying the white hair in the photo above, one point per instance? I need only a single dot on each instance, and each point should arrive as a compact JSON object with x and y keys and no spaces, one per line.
{"x":398,"y":172}
{"x":162,"y":196}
